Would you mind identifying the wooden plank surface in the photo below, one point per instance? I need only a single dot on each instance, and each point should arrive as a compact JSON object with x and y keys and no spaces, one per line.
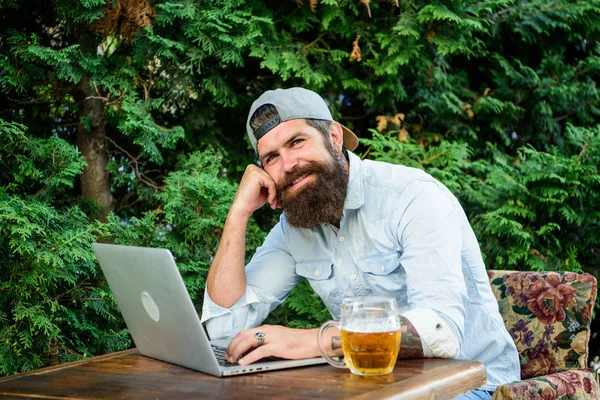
{"x":128,"y":375}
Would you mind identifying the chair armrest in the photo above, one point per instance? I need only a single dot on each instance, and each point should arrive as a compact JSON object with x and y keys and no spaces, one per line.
{"x":575,"y":384}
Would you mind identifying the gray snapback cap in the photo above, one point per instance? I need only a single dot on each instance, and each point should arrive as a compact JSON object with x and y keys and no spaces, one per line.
{"x":293,"y":103}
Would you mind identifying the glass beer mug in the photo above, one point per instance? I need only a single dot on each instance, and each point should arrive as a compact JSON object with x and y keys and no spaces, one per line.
{"x":370,"y":331}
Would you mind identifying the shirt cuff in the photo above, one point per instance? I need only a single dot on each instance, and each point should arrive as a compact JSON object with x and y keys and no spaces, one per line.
{"x":437,"y":337}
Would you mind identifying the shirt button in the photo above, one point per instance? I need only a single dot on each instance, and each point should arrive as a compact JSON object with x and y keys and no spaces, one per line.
{"x":353,"y":277}
{"x":382,"y":268}
{"x":317,"y":273}
{"x":342,"y":239}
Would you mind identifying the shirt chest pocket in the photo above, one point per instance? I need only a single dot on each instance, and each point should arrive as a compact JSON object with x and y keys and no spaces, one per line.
{"x":384,"y":273}
{"x":314,"y":270}
{"x":319,"y":274}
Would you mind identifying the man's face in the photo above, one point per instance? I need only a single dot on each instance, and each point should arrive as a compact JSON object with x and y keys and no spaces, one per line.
{"x":311,"y":174}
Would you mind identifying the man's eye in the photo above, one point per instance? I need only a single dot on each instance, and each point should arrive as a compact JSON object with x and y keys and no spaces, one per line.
{"x":269,"y":159}
{"x":297,"y":141}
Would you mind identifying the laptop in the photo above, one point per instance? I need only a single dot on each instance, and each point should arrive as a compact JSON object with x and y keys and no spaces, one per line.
{"x":161,"y":317}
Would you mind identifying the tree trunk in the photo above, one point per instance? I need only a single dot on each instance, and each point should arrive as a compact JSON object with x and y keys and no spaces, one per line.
{"x":95,"y":183}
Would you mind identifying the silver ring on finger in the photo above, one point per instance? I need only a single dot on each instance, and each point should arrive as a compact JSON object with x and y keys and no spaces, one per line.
{"x":260,"y":338}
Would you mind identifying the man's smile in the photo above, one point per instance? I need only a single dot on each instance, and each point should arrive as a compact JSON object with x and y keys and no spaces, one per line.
{"x":300,"y":181}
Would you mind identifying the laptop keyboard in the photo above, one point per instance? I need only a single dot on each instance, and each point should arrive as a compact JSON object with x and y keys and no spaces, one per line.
{"x":220,"y":354}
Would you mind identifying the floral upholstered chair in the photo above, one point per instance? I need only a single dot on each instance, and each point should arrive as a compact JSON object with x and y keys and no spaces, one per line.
{"x":548,"y":315}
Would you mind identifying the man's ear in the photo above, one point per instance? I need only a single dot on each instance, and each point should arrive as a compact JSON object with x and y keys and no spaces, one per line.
{"x":337,"y":136}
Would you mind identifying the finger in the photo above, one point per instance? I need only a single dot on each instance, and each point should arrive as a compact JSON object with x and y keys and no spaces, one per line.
{"x":241,"y":344}
{"x":272,"y":198}
{"x":231,"y":348}
{"x":235,"y":351}
{"x":256,"y":354}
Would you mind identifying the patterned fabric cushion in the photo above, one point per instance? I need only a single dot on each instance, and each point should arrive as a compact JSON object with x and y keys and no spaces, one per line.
{"x":574,"y":384}
{"x":548,"y":315}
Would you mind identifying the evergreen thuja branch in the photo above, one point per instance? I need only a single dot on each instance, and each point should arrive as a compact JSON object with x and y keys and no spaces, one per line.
{"x":106,"y":99}
{"x":125,"y":203}
{"x":568,"y":114}
{"x":509,"y":12}
{"x":583,"y":150}
{"x":70,"y":351}
{"x":366,"y":153}
{"x":306,"y":46}
{"x":434,"y":157}
{"x":12,"y":144}
{"x":88,"y":229}
{"x":135,"y":164}
{"x":31,"y":100}
{"x":80,"y":285}
{"x":43,"y":188}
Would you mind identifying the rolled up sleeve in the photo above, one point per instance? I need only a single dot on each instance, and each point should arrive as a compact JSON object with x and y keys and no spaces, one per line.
{"x":437,"y":337}
{"x":270,"y":276}
{"x":248,"y":312}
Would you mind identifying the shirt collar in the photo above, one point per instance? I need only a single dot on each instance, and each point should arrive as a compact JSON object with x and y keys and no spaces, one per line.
{"x":355,"y":197}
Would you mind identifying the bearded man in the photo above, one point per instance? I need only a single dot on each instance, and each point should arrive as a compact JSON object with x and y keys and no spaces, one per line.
{"x":351,"y":228}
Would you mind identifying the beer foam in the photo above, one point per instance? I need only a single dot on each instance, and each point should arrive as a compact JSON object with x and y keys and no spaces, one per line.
{"x":376,"y":325}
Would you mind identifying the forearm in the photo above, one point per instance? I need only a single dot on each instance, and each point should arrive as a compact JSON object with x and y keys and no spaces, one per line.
{"x":311,"y":348}
{"x":226,"y":281}
{"x":332,"y":341}
{"x":410,"y":342}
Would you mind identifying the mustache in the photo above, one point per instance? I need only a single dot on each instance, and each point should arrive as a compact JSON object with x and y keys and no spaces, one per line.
{"x":298,"y":172}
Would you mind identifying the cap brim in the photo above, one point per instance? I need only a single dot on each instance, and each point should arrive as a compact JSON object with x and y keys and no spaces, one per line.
{"x":350,"y":139}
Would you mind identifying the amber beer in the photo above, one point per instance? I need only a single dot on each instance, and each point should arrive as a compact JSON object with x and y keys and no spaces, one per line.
{"x":370,"y":327}
{"x":371,"y":349}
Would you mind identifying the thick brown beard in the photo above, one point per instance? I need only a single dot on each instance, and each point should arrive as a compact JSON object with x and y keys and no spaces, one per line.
{"x":320,"y":201}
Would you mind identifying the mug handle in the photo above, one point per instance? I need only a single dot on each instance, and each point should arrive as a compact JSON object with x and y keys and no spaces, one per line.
{"x":327,"y":357}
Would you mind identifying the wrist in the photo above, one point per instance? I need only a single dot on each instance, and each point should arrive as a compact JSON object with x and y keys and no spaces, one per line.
{"x":314,"y":348}
{"x":238,"y":213}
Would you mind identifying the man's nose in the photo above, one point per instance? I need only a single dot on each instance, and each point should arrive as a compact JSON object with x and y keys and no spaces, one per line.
{"x":289,"y":162}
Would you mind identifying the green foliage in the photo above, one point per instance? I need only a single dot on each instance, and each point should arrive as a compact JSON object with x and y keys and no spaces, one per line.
{"x":542,"y":208}
{"x":302,"y":309}
{"x":139,"y":126}
{"x":53,"y":306}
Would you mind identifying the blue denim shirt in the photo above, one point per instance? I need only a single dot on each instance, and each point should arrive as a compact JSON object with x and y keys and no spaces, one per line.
{"x":402,"y":234}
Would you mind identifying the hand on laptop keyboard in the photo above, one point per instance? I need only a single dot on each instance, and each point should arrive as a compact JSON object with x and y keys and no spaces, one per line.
{"x":220,"y":354}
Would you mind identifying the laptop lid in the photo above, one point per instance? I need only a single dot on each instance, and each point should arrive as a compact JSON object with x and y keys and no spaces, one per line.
{"x":156,"y":306}
{"x":159,"y":312}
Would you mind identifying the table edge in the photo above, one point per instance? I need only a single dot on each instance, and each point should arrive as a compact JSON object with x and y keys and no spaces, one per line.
{"x":389,"y":392}
{"x":69,"y":364}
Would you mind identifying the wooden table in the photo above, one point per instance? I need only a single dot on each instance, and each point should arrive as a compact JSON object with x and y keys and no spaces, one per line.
{"x":128,"y":375}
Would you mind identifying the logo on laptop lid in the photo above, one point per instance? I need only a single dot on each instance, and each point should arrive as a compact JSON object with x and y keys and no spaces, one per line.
{"x":150,"y":306}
